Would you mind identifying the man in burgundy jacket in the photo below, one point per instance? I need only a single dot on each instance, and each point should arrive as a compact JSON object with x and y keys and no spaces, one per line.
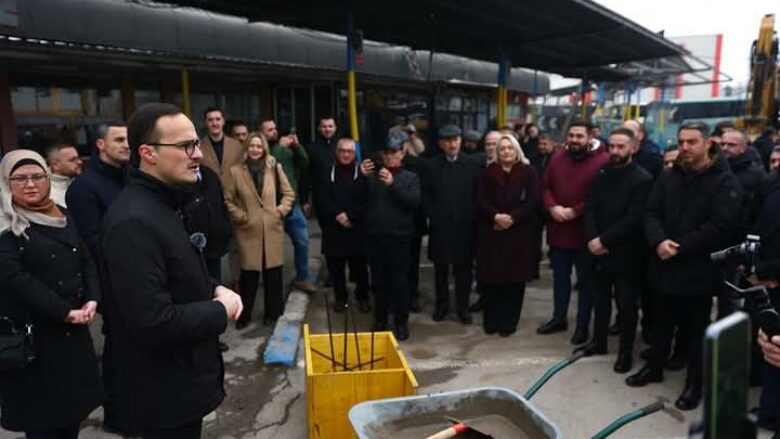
{"x":564,"y":191}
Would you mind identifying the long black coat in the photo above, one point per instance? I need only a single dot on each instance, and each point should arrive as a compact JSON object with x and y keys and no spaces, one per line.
{"x":750,"y":173}
{"x":448,"y":200}
{"x":164,"y":325}
{"x":336,"y":197}
{"x":205,"y":212}
{"x":613,"y":212}
{"x":47,"y":276}
{"x":511,"y":255}
{"x":700,"y":211}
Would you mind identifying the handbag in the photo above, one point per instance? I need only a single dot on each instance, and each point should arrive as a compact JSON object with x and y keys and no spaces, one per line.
{"x":17,"y":345}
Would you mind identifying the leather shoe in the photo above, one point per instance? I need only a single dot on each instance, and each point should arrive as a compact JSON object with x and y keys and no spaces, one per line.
{"x":223,"y":347}
{"x":478,"y":306}
{"x":676,"y":362}
{"x":591,"y":349}
{"x":364,"y":306}
{"x":305,"y":286}
{"x":646,"y":375}
{"x":623,"y":363}
{"x":401,"y":332}
{"x":614,"y":329}
{"x":689,"y":399}
{"x":465,"y":318}
{"x":551,"y":327}
{"x":440,"y":314}
{"x":241,"y":324}
{"x":580,"y":336}
{"x":339,"y":307}
{"x":414,"y":306}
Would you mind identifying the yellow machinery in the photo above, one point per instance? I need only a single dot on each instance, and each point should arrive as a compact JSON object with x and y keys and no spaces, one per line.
{"x":762,"y":93}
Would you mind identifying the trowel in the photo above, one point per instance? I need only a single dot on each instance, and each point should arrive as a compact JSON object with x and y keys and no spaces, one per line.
{"x":475,"y":429}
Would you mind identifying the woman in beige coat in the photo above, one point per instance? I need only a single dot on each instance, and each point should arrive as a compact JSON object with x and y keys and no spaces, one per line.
{"x":258,"y":196}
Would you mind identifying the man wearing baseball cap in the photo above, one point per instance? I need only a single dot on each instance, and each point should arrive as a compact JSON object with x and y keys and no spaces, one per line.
{"x":393,"y":198}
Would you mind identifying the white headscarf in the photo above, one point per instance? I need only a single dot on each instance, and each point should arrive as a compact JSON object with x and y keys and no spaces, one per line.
{"x":14,"y":218}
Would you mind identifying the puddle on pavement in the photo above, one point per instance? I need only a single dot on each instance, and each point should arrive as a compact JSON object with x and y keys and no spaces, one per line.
{"x":422,"y":353}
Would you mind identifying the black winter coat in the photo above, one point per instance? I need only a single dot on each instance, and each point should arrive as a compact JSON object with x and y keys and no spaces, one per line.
{"x":750,"y":173}
{"x":347,"y":196}
{"x":419,"y":166}
{"x":89,"y":197}
{"x":448,"y":199}
{"x":700,"y":211}
{"x":322,"y":156}
{"x":47,"y":276}
{"x":390,"y":210}
{"x":164,"y":325}
{"x":613,"y":213}
{"x":205,"y":212}
{"x":768,"y":228}
{"x":650,"y":161}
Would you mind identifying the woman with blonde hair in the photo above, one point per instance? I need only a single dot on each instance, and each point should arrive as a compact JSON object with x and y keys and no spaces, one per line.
{"x":48,"y":288}
{"x":258,"y":196}
{"x":508,"y":197}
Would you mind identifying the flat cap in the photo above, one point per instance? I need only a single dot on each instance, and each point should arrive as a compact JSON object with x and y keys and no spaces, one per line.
{"x":472,"y":135}
{"x":396,"y":139}
{"x":448,"y":131}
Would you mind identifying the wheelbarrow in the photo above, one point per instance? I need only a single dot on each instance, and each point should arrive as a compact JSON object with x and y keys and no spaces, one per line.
{"x":486,"y":412}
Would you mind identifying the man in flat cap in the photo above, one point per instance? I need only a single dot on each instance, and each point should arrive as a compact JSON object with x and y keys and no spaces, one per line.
{"x":393,"y":199}
{"x":448,"y":199}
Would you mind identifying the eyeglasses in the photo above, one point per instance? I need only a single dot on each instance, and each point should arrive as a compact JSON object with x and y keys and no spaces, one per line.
{"x":21,"y":180}
{"x":188,"y":146}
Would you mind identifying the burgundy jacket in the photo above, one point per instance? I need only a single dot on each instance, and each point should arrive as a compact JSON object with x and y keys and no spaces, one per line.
{"x":507,"y":256}
{"x":566,"y":183}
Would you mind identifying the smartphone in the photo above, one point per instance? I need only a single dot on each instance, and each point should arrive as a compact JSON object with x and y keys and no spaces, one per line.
{"x":726,"y":377}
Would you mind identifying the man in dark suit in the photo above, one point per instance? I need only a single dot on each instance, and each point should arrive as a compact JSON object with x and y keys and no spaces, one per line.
{"x":448,"y":199}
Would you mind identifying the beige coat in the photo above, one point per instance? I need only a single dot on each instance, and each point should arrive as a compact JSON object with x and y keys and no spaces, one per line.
{"x":233,"y":154}
{"x":257,"y":220}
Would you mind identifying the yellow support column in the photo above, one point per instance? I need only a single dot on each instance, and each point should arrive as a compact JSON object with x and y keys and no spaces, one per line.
{"x":185,"y":91}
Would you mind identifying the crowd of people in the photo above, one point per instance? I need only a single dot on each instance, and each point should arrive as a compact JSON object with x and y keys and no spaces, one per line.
{"x":142,"y":236}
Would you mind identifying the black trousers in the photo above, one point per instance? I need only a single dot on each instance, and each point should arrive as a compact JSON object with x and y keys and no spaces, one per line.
{"x":463,"y":276}
{"x":414,"y":266}
{"x":626,"y":291}
{"x":189,"y":431}
{"x":272,"y":297}
{"x":54,"y":433}
{"x":503,"y":305}
{"x":388,"y":257}
{"x":690,"y":312}
{"x":358,"y":270}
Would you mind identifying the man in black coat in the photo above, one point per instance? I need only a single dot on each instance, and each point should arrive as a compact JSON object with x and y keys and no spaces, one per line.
{"x":164,"y":312}
{"x":647,"y":155}
{"x":448,"y":200}
{"x":746,"y":165}
{"x":612,"y":220}
{"x":393,"y":199}
{"x":692,"y":211}
{"x":322,"y":155}
{"x":341,"y":206}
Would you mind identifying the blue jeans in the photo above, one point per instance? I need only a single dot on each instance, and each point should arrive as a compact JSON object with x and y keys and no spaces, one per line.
{"x":562,"y":262}
{"x":297,"y":227}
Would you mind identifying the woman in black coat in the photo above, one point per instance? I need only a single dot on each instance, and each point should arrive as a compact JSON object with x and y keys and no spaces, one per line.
{"x":47,"y":279}
{"x":508,"y":196}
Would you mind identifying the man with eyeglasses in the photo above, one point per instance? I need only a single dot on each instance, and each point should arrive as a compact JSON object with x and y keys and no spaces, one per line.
{"x":164,"y":311}
{"x":220,"y":152}
{"x":65,"y":165}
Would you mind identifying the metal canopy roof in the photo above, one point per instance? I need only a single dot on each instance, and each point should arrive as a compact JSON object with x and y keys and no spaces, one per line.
{"x":575,"y":38}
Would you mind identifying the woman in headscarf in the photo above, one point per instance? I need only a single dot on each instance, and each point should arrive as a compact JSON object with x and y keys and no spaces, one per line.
{"x":47,"y":279}
{"x":508,"y":196}
{"x":258,"y":197}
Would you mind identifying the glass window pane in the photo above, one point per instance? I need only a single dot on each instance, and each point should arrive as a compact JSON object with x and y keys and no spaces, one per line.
{"x":455,"y":103}
{"x":110,"y":103}
{"x":69,"y":99}
{"x":43,"y":96}
{"x":23,"y":99}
